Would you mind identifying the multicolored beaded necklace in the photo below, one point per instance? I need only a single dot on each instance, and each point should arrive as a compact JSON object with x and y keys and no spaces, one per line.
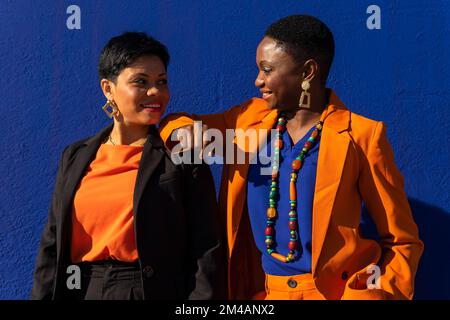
{"x":274,"y":190}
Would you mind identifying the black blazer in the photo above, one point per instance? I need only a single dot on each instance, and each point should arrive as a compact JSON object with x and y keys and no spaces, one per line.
{"x":175,"y":212}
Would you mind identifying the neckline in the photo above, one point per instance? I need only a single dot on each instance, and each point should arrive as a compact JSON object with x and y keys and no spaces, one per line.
{"x":299,"y":145}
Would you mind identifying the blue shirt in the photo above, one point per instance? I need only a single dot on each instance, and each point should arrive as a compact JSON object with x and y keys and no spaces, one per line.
{"x":258,"y":187}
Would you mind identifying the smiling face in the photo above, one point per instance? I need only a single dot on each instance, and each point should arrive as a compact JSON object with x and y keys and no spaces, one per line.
{"x":140,"y":91}
{"x":280,"y":76}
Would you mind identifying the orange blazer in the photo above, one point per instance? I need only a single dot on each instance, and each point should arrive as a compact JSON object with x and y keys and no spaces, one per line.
{"x":355,"y":164}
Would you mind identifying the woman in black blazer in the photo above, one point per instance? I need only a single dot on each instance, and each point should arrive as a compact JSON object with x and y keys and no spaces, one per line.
{"x":162,"y":242}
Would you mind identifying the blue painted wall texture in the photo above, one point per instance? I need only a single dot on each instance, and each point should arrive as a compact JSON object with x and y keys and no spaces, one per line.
{"x":50,"y":96}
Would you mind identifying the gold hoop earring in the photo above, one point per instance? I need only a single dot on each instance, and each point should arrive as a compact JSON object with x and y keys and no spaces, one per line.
{"x":114,"y":110}
{"x":305,"y":95}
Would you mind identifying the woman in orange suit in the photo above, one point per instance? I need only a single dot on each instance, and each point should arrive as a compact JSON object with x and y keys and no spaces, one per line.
{"x":295,"y":234}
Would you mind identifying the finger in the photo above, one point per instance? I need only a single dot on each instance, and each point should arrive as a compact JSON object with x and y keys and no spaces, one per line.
{"x":184,"y":136}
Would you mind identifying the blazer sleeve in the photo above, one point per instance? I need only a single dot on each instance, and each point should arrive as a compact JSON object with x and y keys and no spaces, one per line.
{"x":382,"y":188}
{"x":221,"y":121}
{"x":206,"y":253}
{"x":45,"y":267}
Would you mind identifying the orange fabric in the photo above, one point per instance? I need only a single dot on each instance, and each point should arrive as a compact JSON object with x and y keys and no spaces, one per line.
{"x":355,"y":164}
{"x":102,"y":218}
{"x":277,"y":288}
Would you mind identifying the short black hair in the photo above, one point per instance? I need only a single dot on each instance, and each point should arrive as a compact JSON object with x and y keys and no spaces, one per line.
{"x":121,"y":51}
{"x":305,"y":37}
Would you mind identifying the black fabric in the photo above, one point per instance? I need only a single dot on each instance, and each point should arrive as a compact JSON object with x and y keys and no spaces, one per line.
{"x":175,"y":213}
{"x":107,"y":280}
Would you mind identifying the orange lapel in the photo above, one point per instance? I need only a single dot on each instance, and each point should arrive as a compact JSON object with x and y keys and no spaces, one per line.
{"x":330,"y":164}
{"x":333,"y":150}
{"x":238,"y":177}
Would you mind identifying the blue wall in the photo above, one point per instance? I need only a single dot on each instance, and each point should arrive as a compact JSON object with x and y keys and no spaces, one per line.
{"x":50,"y":96}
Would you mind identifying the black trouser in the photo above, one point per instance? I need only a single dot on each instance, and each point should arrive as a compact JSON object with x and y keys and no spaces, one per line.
{"x":108,"y":280}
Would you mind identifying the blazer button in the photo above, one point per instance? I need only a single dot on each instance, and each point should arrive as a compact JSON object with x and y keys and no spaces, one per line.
{"x":344,"y":275}
{"x":148,"y":271}
{"x":292,"y":283}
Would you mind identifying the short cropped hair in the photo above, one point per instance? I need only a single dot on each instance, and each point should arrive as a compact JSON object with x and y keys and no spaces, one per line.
{"x":305,"y":37}
{"x":121,"y":51}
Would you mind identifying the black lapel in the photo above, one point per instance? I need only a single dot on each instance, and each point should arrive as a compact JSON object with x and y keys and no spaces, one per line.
{"x":78,"y":166}
{"x":152,"y":154}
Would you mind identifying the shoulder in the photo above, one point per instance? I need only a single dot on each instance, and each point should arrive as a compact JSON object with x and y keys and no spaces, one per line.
{"x":365,"y":131}
{"x":250,"y":106}
{"x":362,"y":125}
{"x":72,"y":149}
{"x":342,"y":120}
{"x":257,"y":103}
{"x":252,"y":111}
{"x":254,"y":105}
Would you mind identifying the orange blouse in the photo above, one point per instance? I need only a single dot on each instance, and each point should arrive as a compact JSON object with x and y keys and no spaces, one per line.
{"x":102,"y":217}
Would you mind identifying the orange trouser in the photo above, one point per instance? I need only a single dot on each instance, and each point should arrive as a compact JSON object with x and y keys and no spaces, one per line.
{"x":297,"y":287}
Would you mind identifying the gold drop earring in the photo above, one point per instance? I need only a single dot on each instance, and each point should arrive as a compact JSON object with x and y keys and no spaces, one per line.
{"x":114,"y":109}
{"x":305,"y":95}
